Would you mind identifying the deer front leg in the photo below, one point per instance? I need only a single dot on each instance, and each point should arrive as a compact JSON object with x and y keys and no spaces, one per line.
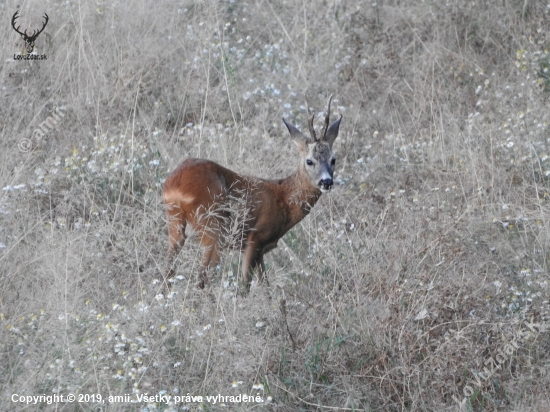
{"x":210,"y":260}
{"x":253,"y":258}
{"x":261,"y":270}
{"x":261,"y":264}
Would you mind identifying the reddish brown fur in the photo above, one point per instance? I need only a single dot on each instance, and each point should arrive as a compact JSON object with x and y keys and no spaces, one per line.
{"x":275,"y":207}
{"x":200,"y":192}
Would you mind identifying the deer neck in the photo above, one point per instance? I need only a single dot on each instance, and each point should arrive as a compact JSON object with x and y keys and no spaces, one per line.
{"x":300,"y":195}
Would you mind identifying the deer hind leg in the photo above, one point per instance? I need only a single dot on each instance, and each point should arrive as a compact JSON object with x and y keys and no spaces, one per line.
{"x":176,"y":239}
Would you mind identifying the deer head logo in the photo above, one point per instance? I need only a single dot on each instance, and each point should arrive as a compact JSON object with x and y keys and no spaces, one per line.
{"x":29,"y":39}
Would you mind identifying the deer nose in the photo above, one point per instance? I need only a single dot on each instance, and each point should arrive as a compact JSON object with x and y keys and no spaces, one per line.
{"x":326,"y":183}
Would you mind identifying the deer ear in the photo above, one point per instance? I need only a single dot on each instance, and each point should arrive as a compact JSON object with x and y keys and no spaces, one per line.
{"x":297,"y":136}
{"x":332,"y":132}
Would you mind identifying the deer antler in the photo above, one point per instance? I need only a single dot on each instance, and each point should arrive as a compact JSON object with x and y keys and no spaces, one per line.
{"x":35,"y":33}
{"x":29,"y":39}
{"x":46,"y":20}
{"x":310,"y":123}
{"x":327,"y":118}
{"x":15,"y":16}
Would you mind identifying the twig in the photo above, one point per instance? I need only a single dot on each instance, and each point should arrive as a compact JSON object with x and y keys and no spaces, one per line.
{"x":282,"y":307}
{"x":337,"y":408}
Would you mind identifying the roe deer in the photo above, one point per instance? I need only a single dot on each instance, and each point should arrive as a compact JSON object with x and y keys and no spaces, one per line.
{"x":203,"y":194}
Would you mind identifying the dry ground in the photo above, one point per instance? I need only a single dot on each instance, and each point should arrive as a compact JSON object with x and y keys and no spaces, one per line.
{"x":420,"y":283}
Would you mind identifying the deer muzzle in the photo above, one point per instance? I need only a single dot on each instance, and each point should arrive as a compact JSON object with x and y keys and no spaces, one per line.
{"x":325,"y":184}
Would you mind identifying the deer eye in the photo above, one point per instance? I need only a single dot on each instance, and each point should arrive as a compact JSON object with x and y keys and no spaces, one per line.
{"x":333,"y":162}
{"x":309,"y":162}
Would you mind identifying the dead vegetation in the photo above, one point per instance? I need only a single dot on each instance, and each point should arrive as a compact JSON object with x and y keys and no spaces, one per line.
{"x":419,"y":283}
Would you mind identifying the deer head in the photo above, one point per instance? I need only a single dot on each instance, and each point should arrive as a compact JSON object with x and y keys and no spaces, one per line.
{"x":318,"y":161}
{"x":29,"y":40}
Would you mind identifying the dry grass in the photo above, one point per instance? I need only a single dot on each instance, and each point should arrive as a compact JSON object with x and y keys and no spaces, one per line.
{"x":427,"y":260}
